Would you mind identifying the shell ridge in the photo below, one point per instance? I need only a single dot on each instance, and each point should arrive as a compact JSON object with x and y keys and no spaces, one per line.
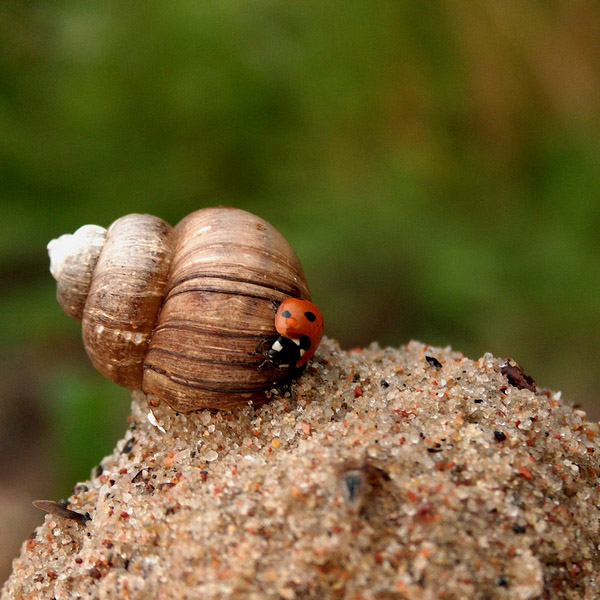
{"x":251,"y":365}
{"x":219,"y":331}
{"x":202,"y":384}
{"x":261,"y":284}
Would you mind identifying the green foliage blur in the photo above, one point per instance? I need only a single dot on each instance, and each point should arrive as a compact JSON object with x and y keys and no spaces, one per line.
{"x":435,"y":165}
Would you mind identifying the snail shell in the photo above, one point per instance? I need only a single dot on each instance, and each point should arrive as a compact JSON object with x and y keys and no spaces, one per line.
{"x":179,"y":312}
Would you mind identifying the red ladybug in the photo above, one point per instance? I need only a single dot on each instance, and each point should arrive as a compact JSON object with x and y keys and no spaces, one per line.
{"x":300,"y":327}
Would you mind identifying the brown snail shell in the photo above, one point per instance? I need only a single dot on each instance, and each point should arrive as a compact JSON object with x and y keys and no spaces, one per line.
{"x":180,"y":312}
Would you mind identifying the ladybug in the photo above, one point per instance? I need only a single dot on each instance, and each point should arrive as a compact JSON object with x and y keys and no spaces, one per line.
{"x":300,"y":327}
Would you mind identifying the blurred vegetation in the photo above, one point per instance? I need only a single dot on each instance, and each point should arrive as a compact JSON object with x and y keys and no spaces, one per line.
{"x":435,"y":165}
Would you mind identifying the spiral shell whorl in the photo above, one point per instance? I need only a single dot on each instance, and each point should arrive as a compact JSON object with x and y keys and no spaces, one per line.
{"x":73,"y":257}
{"x":125,"y":296}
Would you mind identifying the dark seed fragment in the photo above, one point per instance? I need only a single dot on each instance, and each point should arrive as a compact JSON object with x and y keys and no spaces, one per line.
{"x":433,"y":361}
{"x":358,"y":481}
{"x":58,"y":510}
{"x":353,"y":484}
{"x":516,"y":377}
{"x":138,"y":477}
{"x":128,"y":446}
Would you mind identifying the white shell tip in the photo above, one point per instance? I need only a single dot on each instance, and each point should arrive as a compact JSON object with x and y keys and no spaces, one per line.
{"x":69,"y":244}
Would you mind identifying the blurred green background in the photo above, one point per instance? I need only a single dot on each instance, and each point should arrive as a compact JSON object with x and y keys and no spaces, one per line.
{"x":435,"y":165}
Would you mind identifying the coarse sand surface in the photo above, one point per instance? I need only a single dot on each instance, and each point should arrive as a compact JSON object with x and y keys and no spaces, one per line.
{"x":383,"y":474}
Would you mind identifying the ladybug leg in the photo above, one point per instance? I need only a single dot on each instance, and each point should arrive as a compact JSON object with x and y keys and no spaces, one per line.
{"x":274,"y":305}
{"x":262,"y":348}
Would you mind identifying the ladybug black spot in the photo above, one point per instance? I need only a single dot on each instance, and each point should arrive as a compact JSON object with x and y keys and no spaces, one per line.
{"x":310,"y":316}
{"x":305,"y":342}
{"x":286,"y":314}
